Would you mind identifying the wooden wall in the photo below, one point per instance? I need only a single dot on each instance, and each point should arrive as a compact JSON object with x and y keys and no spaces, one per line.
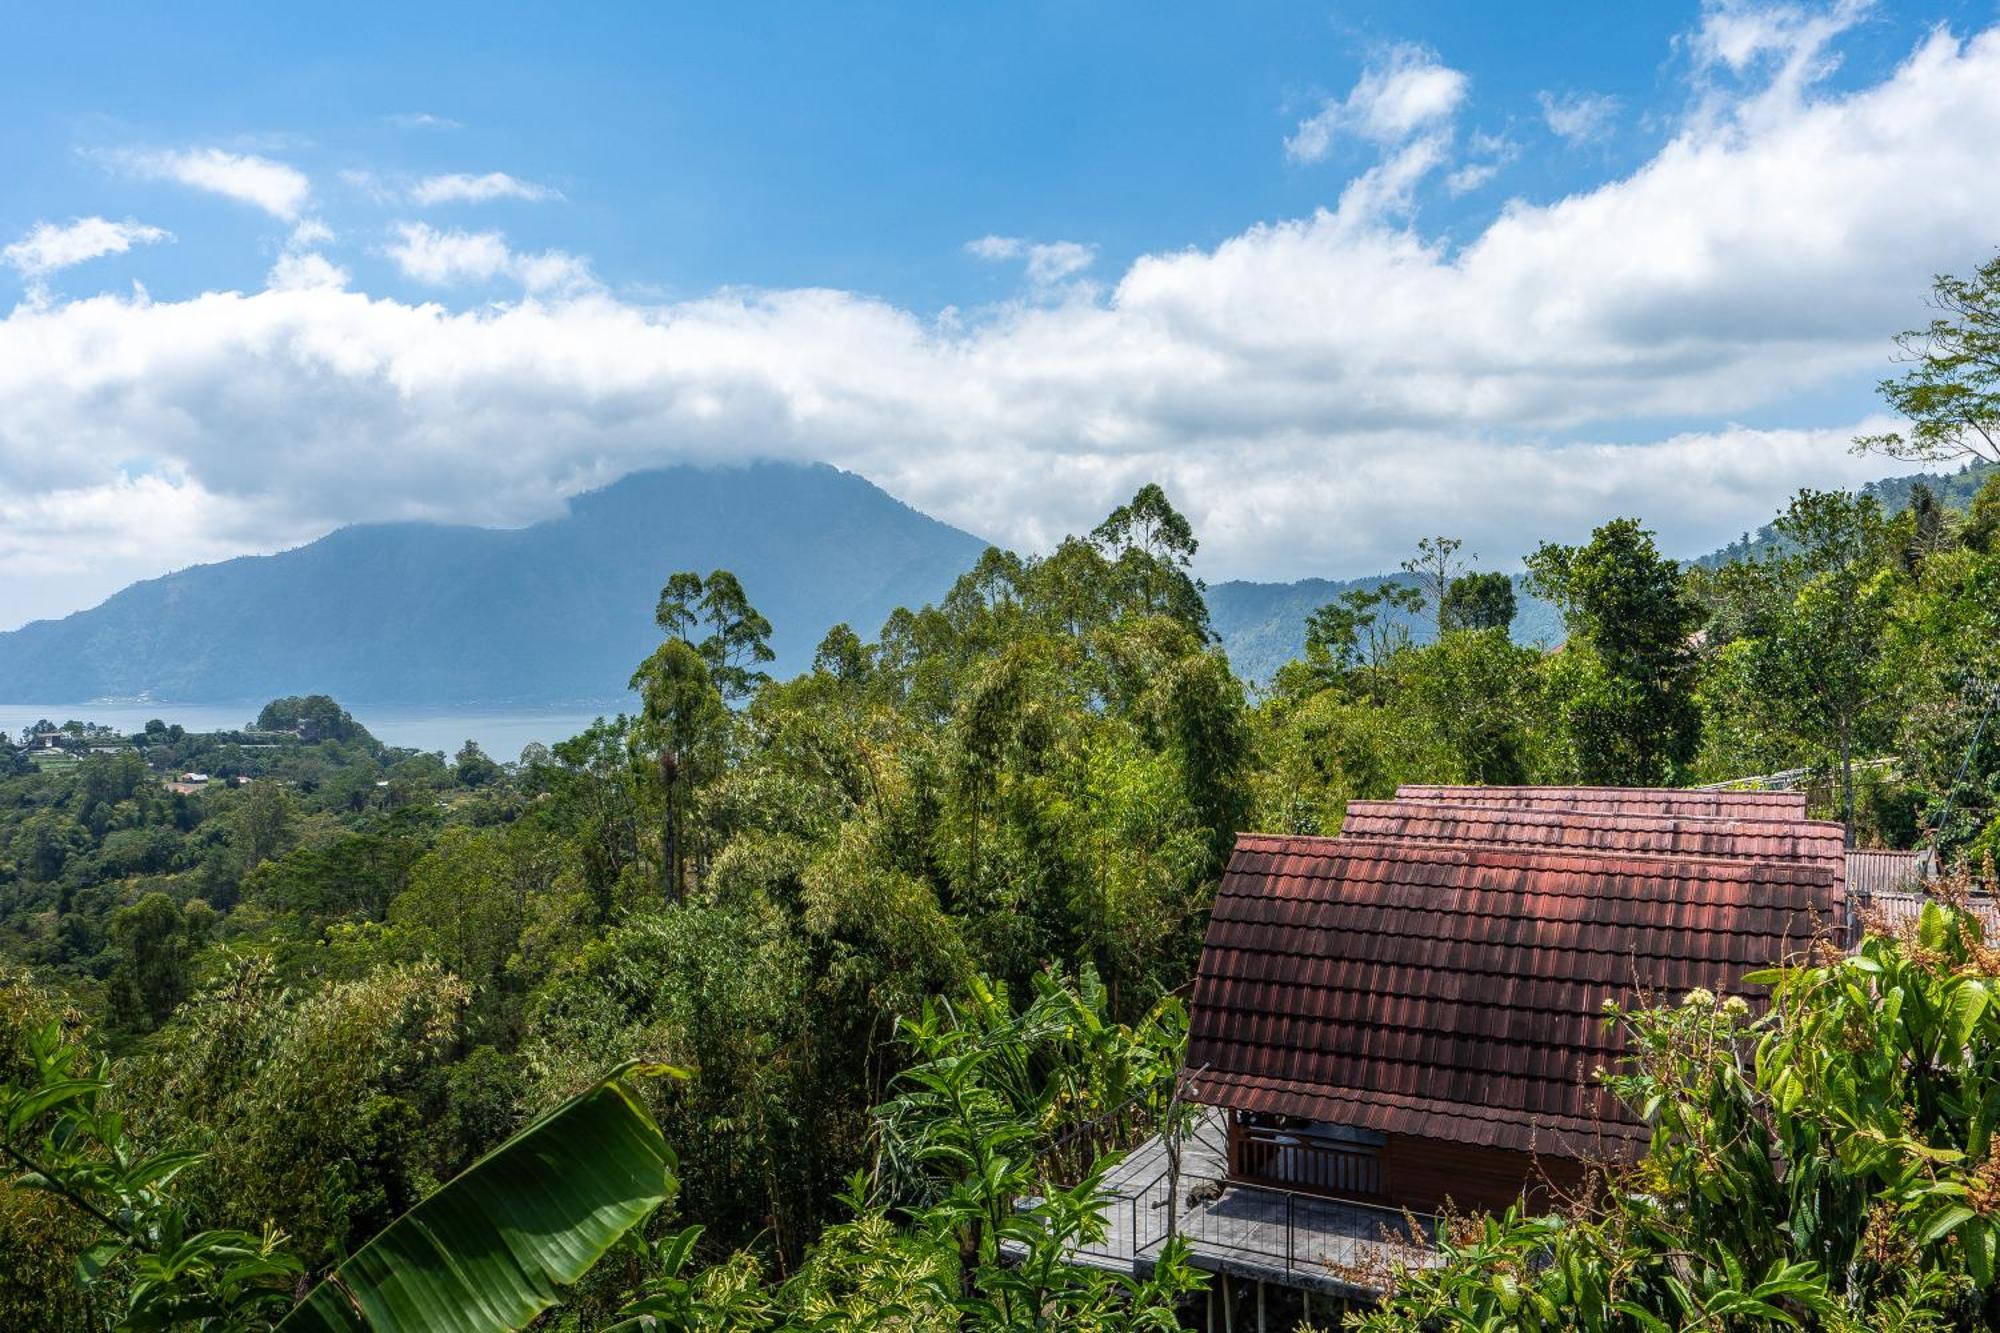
{"x":1422,"y":1173}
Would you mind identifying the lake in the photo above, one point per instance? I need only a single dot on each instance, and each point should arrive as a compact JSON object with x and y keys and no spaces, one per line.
{"x":500,"y":733}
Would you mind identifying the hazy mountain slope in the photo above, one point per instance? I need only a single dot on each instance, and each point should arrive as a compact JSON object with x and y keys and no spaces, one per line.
{"x":559,"y":612}
{"x":1263,"y":624}
{"x":1954,"y":490}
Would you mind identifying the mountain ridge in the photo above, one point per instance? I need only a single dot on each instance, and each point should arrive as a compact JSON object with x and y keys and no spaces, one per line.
{"x":558,"y":612}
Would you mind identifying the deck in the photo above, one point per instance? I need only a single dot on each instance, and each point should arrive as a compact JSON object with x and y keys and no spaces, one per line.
{"x":1302,"y":1241}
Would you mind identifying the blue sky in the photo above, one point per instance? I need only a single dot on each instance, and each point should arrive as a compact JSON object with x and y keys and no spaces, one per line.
{"x":856,"y":146}
{"x":458,"y":262}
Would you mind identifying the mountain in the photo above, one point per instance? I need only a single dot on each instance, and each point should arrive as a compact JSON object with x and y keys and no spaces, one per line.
{"x":1263,"y":625}
{"x":558,"y":614}
{"x":422,"y":614}
{"x":1954,"y":490}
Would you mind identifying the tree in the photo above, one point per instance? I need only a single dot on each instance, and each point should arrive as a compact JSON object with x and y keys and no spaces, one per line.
{"x":681,"y":727}
{"x":679,"y":608}
{"x":1982,"y":521}
{"x":1951,"y":394}
{"x":473,"y":767}
{"x":1477,"y":601}
{"x":1631,"y":712}
{"x":266,"y":823}
{"x":842,"y":655}
{"x":487,"y":1253}
{"x":1352,"y":638}
{"x":738,"y":640}
{"x":1819,"y":650}
{"x":1434,"y":566}
{"x":1152,"y":547}
{"x":1927,"y":528}
{"x":154,"y":968}
{"x":738,"y":643}
{"x":315,"y":717}
{"x":464,"y":905}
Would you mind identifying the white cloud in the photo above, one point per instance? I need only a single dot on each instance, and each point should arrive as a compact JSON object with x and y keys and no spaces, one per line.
{"x":49,"y":247}
{"x":1047,"y":263}
{"x":422,"y":120}
{"x":273,"y":186}
{"x":302,"y":272}
{"x":1490,"y":154}
{"x":1779,"y":49}
{"x":444,"y":258}
{"x":1406,"y":91}
{"x":1314,"y":392}
{"x":459,"y":187}
{"x":1579,"y":118}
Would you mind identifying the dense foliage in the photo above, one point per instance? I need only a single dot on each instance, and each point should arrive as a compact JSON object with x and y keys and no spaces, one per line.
{"x":914,"y":918}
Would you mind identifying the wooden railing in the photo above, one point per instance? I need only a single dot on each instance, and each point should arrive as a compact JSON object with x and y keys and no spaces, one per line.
{"x":1294,"y":1161}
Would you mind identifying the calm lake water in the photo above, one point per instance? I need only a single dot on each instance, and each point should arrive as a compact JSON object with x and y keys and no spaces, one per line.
{"x":501,"y":734}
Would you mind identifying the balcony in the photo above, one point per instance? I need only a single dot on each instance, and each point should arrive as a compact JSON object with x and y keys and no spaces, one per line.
{"x":1253,"y":1228}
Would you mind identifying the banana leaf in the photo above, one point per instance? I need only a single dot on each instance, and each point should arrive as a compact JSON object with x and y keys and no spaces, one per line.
{"x":490,"y":1250}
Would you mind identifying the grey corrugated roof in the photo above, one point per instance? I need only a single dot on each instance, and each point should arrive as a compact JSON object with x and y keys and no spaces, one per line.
{"x":1875,"y":872}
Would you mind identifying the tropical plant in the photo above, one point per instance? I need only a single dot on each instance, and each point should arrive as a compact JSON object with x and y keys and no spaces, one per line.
{"x":150,"y":1261}
{"x":493,"y":1248}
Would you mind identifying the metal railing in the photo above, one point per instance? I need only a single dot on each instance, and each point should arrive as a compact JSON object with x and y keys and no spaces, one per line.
{"x":1285,"y":1159}
{"x":1297,"y":1232}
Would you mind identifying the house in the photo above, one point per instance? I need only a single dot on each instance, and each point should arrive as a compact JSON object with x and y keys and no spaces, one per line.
{"x":1433,"y":1013}
{"x":1705,"y":803}
{"x":1411,"y":1016}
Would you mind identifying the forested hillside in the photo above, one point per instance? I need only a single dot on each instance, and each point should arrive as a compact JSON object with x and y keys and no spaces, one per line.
{"x":885,"y":950}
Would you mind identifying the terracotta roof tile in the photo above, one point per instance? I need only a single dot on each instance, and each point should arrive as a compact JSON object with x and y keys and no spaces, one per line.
{"x":1635,"y":800}
{"x":1454,"y":990}
{"x":1755,"y":837}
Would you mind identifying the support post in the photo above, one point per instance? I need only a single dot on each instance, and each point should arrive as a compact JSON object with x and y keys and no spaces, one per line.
{"x":1260,"y":1305}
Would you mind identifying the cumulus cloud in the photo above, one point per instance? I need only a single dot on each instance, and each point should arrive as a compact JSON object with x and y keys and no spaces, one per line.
{"x":49,"y":247}
{"x":444,"y":258}
{"x":299,"y":272}
{"x":1778,"y":50}
{"x":1407,"y":90}
{"x":421,"y":120}
{"x":1314,"y":391}
{"x":1047,"y":264}
{"x":1579,"y":118}
{"x":273,"y":186}
{"x":461,"y":188}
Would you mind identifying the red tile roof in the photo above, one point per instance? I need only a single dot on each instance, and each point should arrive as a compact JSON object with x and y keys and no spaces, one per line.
{"x":1761,"y":838}
{"x":1636,"y":800}
{"x":1455,"y":992}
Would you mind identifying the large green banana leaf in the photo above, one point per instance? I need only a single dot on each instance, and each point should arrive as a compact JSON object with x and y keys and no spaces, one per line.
{"x":489,"y":1250}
